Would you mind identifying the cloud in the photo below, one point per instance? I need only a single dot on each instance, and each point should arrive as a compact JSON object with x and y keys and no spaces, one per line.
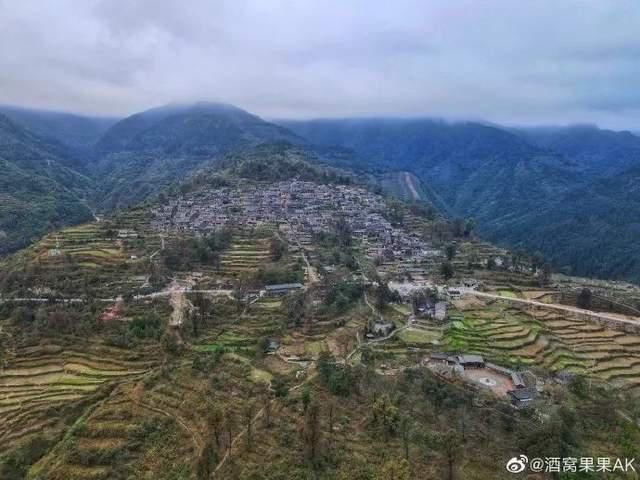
{"x":514,"y":62}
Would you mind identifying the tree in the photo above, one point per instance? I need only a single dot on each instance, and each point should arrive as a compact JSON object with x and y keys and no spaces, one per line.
{"x":295,"y":303}
{"x":491,"y":263}
{"x":356,"y":469}
{"x":268,"y":408}
{"x":395,"y":212}
{"x":248,"y":413}
{"x":395,"y":469}
{"x":306,"y":397}
{"x":545,"y":277}
{"x":384,"y":295}
{"x":239,"y":294}
{"x":450,"y":444}
{"x":203,"y":305}
{"x":446,"y":270}
{"x":585,"y":298}
{"x":206,"y":461}
{"x":311,"y":432}
{"x":216,"y":422}
{"x":458,"y":227}
{"x":385,"y":416}
{"x":343,"y":233}
{"x":279,"y":386}
{"x":277,"y":248}
{"x":405,"y":431}
{"x":330,"y":417}
{"x":170,"y":343}
{"x":450,"y":251}
{"x":469,"y":227}
{"x":6,"y":346}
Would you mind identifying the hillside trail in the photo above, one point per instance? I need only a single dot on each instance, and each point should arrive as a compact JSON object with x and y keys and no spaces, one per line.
{"x":180,"y":303}
{"x":312,"y":274}
{"x":309,"y":378}
{"x":257,"y":416}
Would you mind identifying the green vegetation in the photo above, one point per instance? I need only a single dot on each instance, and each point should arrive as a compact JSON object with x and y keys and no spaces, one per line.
{"x":36,"y":180}
{"x":127,"y":354}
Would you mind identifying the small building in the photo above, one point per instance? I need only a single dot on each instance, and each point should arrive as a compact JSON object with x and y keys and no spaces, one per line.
{"x":471,"y":283}
{"x":438,"y":357}
{"x":127,"y":233}
{"x":382,"y":329}
{"x":282,"y":289}
{"x":470,"y":361}
{"x":272,"y":346}
{"x":517,"y":381}
{"x":440,"y":311}
{"x":454,"y":292}
{"x":522,"y":398}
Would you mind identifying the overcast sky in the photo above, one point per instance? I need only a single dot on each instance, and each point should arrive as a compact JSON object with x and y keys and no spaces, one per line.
{"x":531,"y":61}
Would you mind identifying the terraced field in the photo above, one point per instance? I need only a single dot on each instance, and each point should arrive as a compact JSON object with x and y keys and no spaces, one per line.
{"x":43,"y":378}
{"x":108,"y":258}
{"x":132,"y":433}
{"x":542,"y":338}
{"x":263,"y":318}
{"x":85,"y":244}
{"x":245,"y":254}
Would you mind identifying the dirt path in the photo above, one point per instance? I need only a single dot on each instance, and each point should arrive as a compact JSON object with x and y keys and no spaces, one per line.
{"x":312,"y":275}
{"x":180,"y":304}
{"x":256,"y":417}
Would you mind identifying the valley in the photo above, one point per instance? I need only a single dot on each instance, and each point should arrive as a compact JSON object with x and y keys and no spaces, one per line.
{"x":207,"y":334}
{"x":319,"y":240}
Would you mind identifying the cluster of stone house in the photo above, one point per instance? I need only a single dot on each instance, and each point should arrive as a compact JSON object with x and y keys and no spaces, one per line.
{"x":306,"y":208}
{"x":312,"y":206}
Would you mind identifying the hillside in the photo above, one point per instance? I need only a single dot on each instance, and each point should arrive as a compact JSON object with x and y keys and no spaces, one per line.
{"x":542,"y":190}
{"x":152,"y":149}
{"x":38,"y":192}
{"x":76,"y":134}
{"x":599,"y":152}
{"x":249,"y":325}
{"x":589,"y":231}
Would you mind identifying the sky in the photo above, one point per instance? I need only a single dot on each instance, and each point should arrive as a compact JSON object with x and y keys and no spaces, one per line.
{"x":515,"y":62}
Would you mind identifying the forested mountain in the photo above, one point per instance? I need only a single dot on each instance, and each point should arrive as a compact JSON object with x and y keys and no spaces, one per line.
{"x":545,"y":190}
{"x":37,"y":191}
{"x":475,"y":169}
{"x":78,"y":133}
{"x":590,"y":230}
{"x":569,"y":193}
{"x":154,"y":148}
{"x":599,"y":152}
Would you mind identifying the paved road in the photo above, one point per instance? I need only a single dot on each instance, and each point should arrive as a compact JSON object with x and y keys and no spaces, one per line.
{"x":562,"y":308}
{"x":162,"y":293}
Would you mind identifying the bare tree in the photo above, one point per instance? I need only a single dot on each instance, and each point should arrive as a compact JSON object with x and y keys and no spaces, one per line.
{"x":405,"y":432}
{"x":267,"y":397}
{"x":451,"y":444}
{"x":311,"y":432}
{"x":216,"y":423}
{"x":249,"y":412}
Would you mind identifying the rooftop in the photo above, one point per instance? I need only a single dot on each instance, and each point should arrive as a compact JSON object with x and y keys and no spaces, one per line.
{"x":284,"y":286}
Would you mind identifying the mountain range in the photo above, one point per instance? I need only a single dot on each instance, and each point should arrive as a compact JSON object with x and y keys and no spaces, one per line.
{"x":570,"y":193}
